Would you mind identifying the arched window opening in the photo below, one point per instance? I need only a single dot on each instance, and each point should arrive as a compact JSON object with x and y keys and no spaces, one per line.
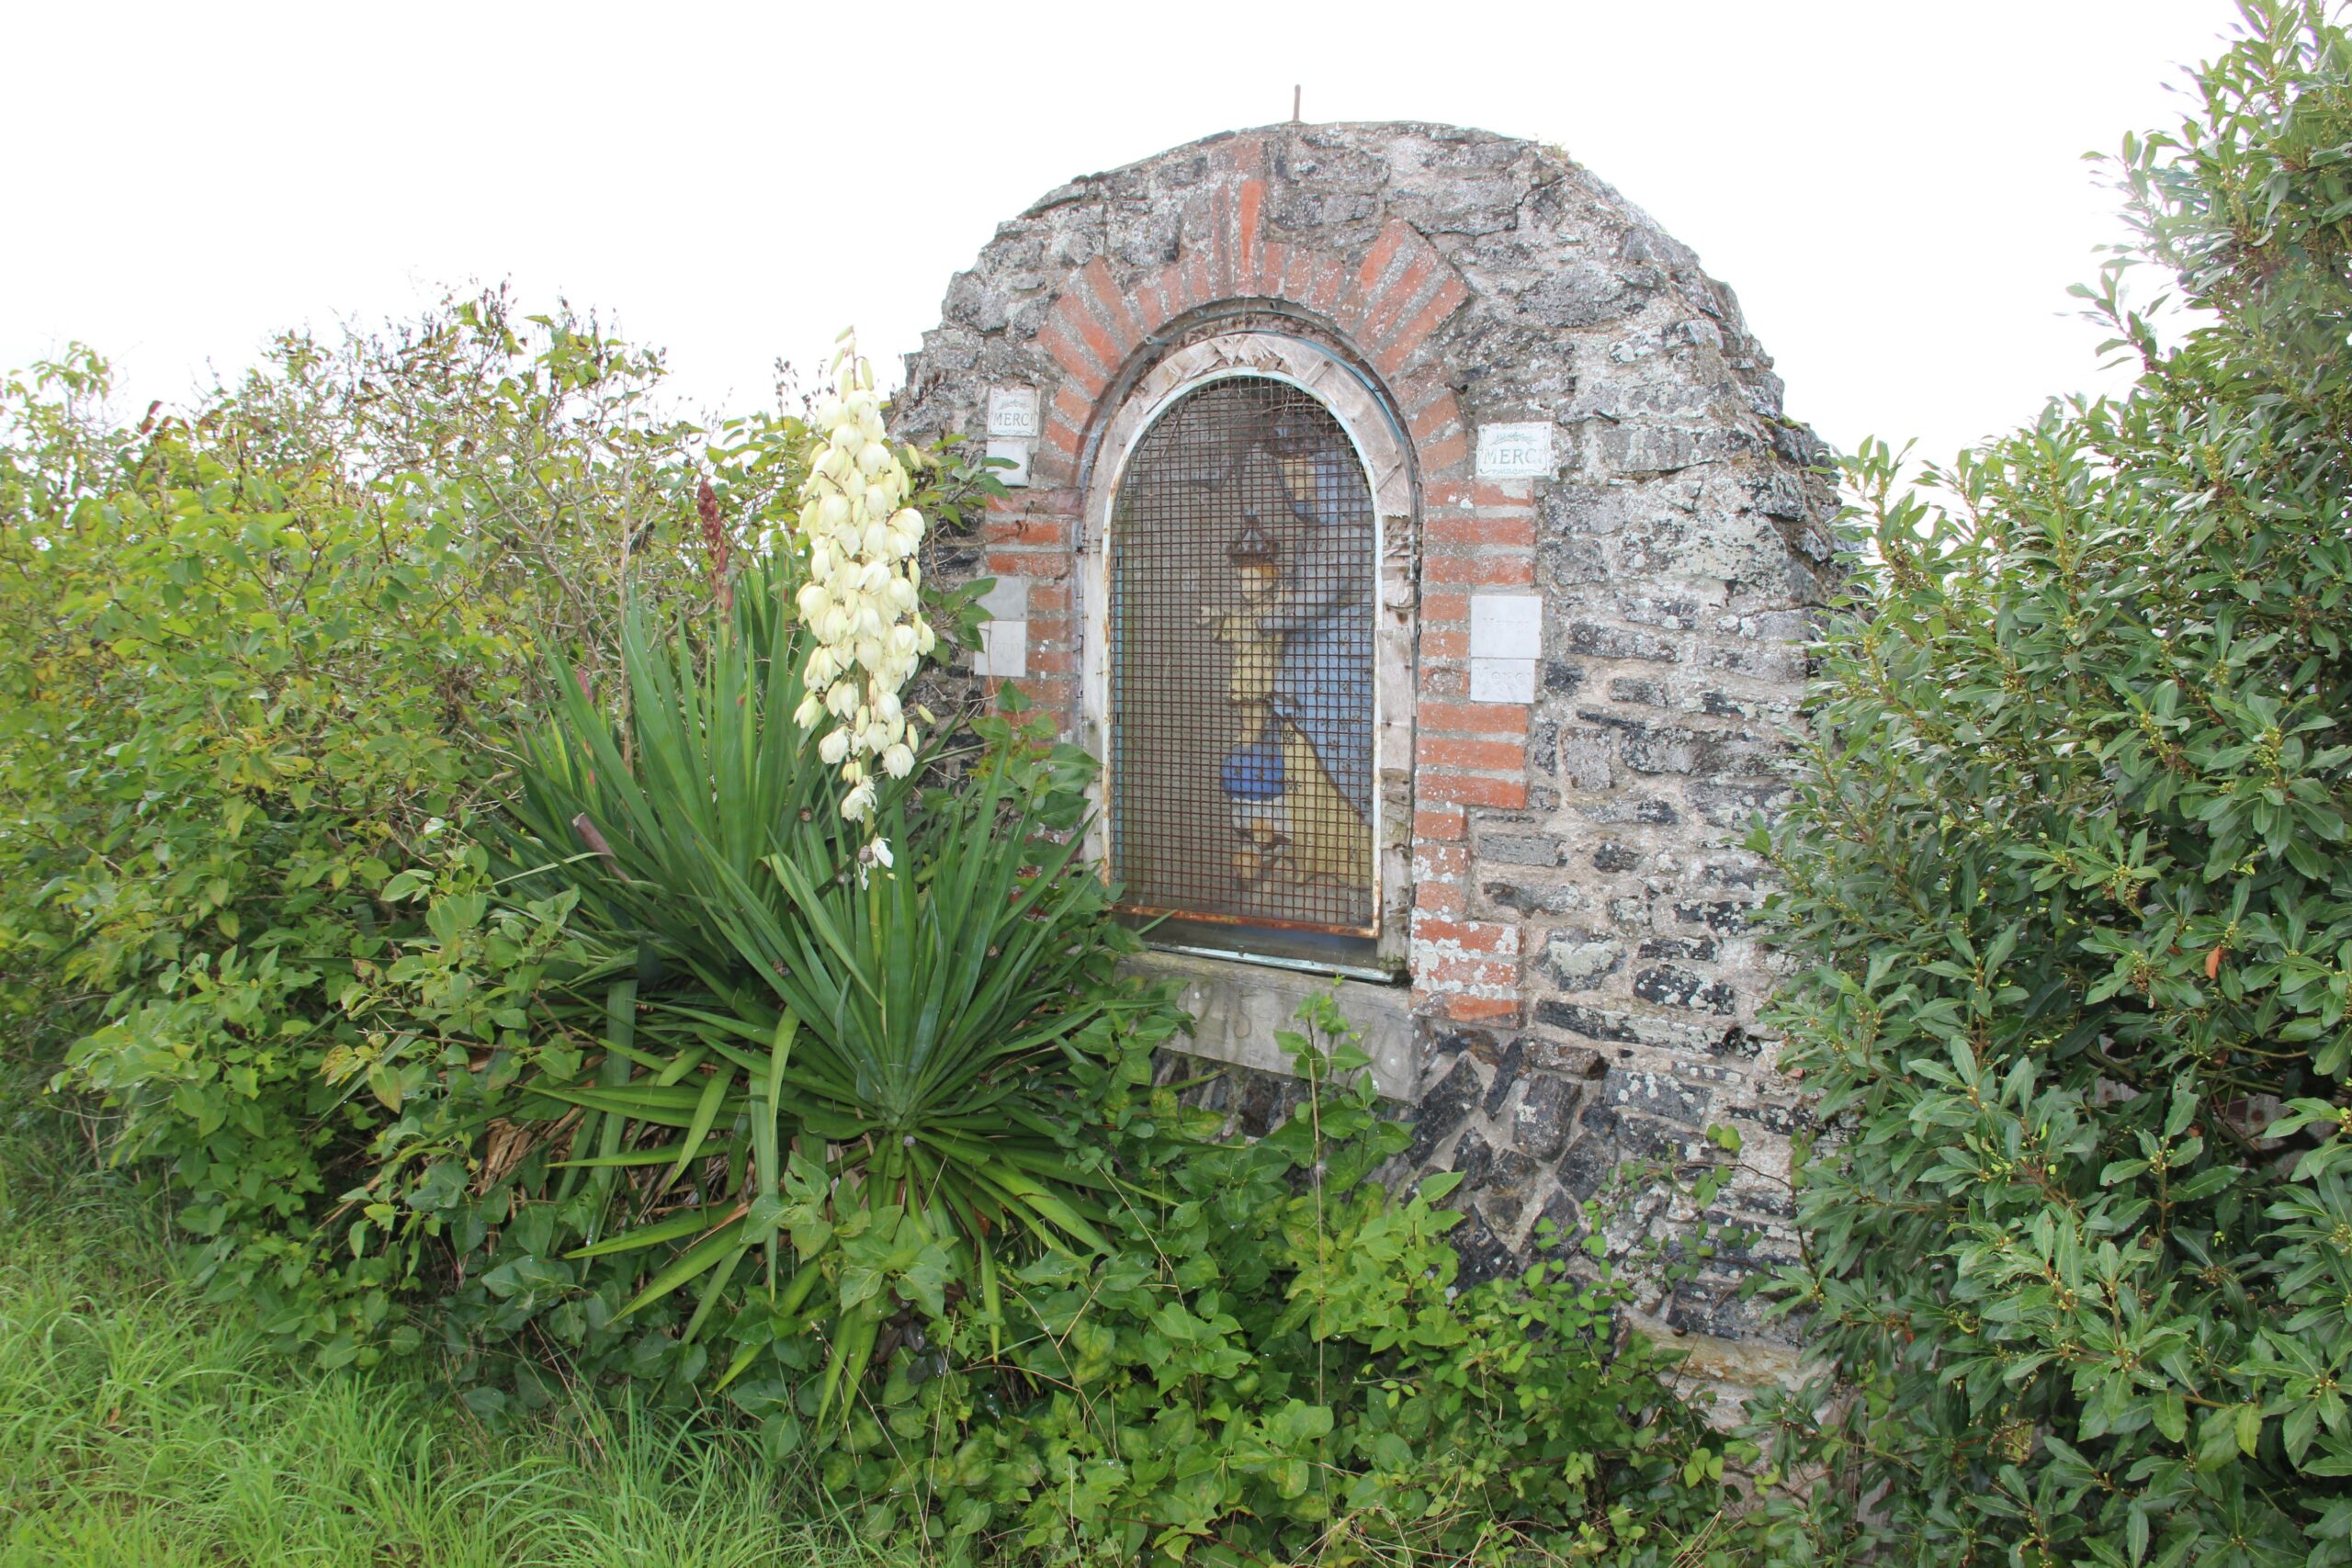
{"x":1244,"y":557}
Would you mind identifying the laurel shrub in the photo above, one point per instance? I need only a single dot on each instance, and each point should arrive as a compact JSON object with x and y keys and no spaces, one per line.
{"x":2069,"y":879}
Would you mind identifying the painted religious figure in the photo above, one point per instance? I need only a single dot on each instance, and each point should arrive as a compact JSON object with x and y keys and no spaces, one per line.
{"x":1296,"y":623}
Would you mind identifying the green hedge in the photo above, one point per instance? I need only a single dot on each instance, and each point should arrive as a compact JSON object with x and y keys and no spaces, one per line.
{"x":2069,"y":876}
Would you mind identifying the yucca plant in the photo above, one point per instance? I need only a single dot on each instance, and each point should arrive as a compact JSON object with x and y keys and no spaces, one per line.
{"x":662,"y":820}
{"x":872,"y":1058}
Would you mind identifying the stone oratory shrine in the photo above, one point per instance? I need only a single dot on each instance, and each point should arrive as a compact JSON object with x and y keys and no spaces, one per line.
{"x":1413,"y":531}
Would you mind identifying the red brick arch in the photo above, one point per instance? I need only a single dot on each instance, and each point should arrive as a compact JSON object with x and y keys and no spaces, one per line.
{"x":1386,"y":305}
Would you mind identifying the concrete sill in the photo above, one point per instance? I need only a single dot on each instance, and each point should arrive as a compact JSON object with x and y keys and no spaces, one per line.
{"x":1237,"y":1008}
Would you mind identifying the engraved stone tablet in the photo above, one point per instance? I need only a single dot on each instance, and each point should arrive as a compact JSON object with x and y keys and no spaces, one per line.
{"x":1008,"y":601}
{"x":1003,"y":650}
{"x":1515,"y":451}
{"x":1012,"y":410}
{"x":1506,"y":625}
{"x":1017,"y":449}
{"x":1502,"y":679}
{"x":1004,"y":636}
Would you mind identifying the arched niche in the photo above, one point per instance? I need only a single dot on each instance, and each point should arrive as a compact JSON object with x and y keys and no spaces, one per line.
{"x":1251,"y":925}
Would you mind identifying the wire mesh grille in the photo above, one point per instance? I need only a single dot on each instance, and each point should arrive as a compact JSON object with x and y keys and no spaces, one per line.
{"x":1241,"y":665}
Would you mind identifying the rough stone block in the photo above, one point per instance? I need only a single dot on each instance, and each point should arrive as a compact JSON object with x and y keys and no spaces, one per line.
{"x":1579,"y":961}
{"x":1570,"y":1061}
{"x":1521,"y":849}
{"x":1546,"y":1106}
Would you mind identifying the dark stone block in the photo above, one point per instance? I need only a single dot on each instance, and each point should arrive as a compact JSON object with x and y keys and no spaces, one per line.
{"x":1737,"y":1042}
{"x":1781,"y":1119}
{"x":1700,"y":948}
{"x":1546,"y":1109}
{"x":1265,"y":1101}
{"x":1615,"y":857}
{"x":1713,"y":1302}
{"x":1622,"y":723}
{"x":1561,"y":676}
{"x":1510,"y":1187}
{"x":1506,"y":1078}
{"x":1543,"y":746}
{"x":1663,"y":1096}
{"x":1580,"y":960}
{"x":1474,"y":1158}
{"x":1722,"y":915}
{"x":1640,"y":1138}
{"x":1723,"y":804}
{"x":1657,"y":813}
{"x":1584,"y":295}
{"x":1634,"y":689}
{"x":1568,"y":1222}
{"x":1668,"y":750}
{"x":1453,"y":1041}
{"x":1479,"y":1043}
{"x":1442,"y":1109}
{"x":1591,"y":1022}
{"x":1585,"y":1168}
{"x":1570,"y":1061}
{"x":1483,"y":1254}
{"x":1573,"y":562}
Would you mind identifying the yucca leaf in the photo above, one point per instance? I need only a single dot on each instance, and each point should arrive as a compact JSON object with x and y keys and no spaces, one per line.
{"x":992,"y":1293}
{"x":621,"y":1107}
{"x":689,"y":1223}
{"x":740,"y":1364}
{"x":712,"y":1290}
{"x":703,"y":1256}
{"x":713,"y":1095}
{"x":627,"y":1157}
{"x":767,"y":1163}
{"x":853,"y":1345}
{"x":685,"y":1062}
{"x":620,"y":1028}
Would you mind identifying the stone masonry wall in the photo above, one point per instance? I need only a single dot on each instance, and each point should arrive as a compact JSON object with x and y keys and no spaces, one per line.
{"x":1584,"y":983}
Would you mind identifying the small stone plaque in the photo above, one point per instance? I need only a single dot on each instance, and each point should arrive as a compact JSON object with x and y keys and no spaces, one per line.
{"x":1008,"y":601}
{"x":1506,"y":625}
{"x":1012,"y":410}
{"x":1003,"y":650}
{"x":1004,"y":636}
{"x":1017,"y":449}
{"x":1502,"y":679}
{"x":1515,"y":451}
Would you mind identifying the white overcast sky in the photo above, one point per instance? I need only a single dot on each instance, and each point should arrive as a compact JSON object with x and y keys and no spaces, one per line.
{"x":1893,"y":187}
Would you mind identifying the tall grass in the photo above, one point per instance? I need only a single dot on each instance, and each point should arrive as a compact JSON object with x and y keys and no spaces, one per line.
{"x":138,"y":1426}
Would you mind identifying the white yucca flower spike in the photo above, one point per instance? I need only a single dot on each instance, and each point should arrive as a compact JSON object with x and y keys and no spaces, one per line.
{"x":863,"y":592}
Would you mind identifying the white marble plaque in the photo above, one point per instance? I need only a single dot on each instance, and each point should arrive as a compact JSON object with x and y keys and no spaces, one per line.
{"x":1515,"y":451}
{"x":1004,"y":636}
{"x":1502,"y":679}
{"x":1008,"y":601}
{"x":1018,"y":450}
{"x":1506,"y":625}
{"x":1012,"y":410}
{"x":1003,"y":650}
